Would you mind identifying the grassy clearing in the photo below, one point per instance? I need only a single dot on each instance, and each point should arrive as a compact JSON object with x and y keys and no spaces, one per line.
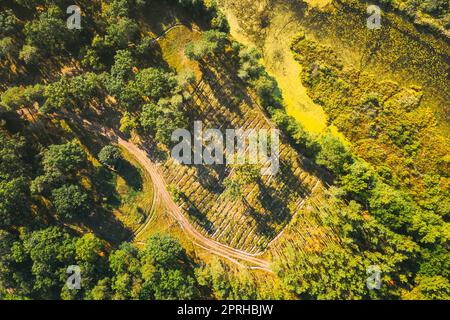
{"x":172,"y":47}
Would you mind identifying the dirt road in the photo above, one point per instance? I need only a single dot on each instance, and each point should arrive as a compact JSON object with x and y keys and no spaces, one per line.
{"x":234,"y":255}
{"x":238,"y":257}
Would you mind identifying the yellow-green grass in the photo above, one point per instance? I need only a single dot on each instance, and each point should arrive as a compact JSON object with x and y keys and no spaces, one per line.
{"x":398,"y":51}
{"x":136,"y":203}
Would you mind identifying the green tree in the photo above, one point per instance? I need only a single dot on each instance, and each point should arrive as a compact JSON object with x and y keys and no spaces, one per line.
{"x":49,"y":32}
{"x":30,"y":4}
{"x":163,"y":251}
{"x":90,"y":257}
{"x":436,"y":262}
{"x":128,"y":123}
{"x":7,"y":47}
{"x":85,"y":87}
{"x":123,"y":65}
{"x":169,"y":285}
{"x":268,"y":92}
{"x":88,"y":248}
{"x":162,"y":119}
{"x":117,"y":9}
{"x":125,"y":265}
{"x":14,"y":201}
{"x":102,"y":291}
{"x":247,"y":173}
{"x":435,"y":7}
{"x":8,"y":22}
{"x":155,"y":83}
{"x":429,"y":288}
{"x":16,"y":97}
{"x":110,"y":156}
{"x":249,"y":67}
{"x":14,"y":191}
{"x":58,"y":95}
{"x":303,"y":140}
{"x":334,"y":274}
{"x":177,"y":194}
{"x":391,"y":207}
{"x":358,"y":181}
{"x":165,"y":270}
{"x":213,"y":42}
{"x":121,"y":72}
{"x":15,"y":273}
{"x":120,"y":33}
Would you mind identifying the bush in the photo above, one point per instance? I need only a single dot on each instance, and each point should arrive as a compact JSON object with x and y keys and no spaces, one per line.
{"x":7,"y":46}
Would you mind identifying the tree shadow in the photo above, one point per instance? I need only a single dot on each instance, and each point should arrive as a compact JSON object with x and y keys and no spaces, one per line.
{"x":104,"y":183}
{"x":230,"y":99}
{"x":207,"y":180}
{"x":212,"y":115}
